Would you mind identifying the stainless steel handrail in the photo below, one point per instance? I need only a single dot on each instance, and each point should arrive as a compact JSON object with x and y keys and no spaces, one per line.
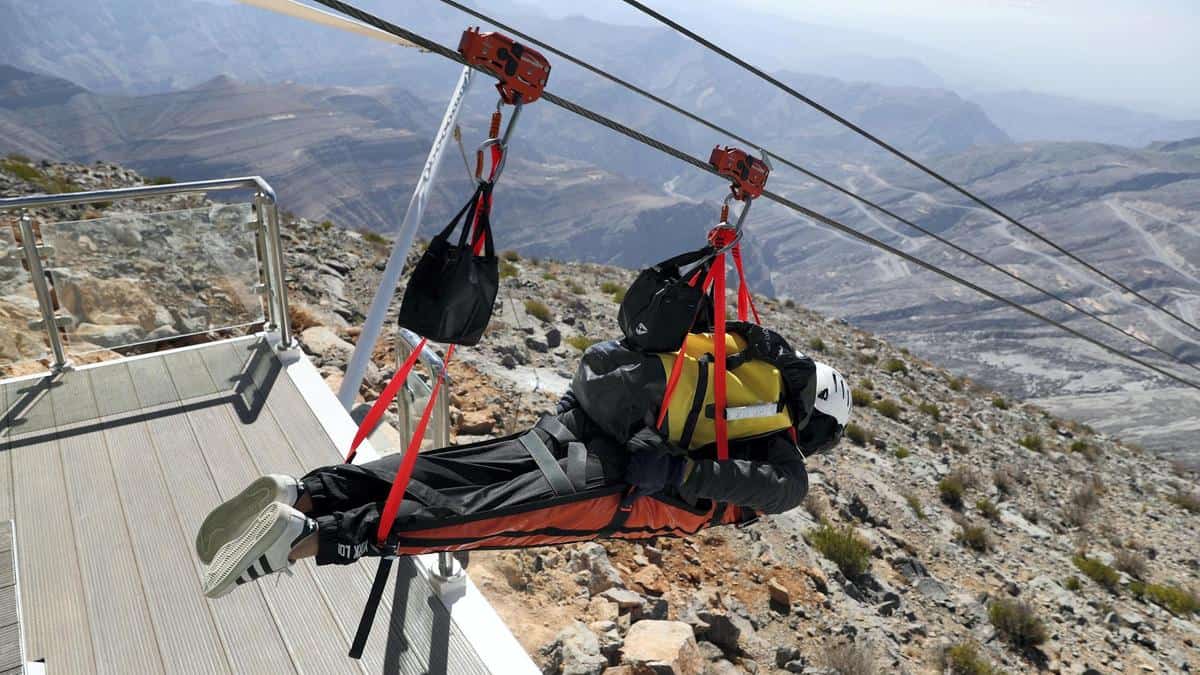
{"x":271,"y":258}
{"x":440,"y":421}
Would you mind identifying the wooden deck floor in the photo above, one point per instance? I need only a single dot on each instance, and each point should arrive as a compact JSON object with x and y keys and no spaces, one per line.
{"x":108,"y":472}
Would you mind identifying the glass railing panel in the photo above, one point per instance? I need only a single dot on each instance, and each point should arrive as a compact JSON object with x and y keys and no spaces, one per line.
{"x":22,"y":348}
{"x":134,"y":278}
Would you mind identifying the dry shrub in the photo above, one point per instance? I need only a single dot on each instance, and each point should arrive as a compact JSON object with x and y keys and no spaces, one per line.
{"x":1131,"y":563}
{"x":302,"y":317}
{"x":850,"y":658}
{"x":964,"y":659}
{"x":1016,"y":623}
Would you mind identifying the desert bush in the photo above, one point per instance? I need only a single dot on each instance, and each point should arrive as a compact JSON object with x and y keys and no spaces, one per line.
{"x":964,"y":659}
{"x":856,"y":434}
{"x":1016,"y":623}
{"x":1097,"y":571}
{"x":1073,"y":584}
{"x":574,"y":287}
{"x":816,"y":344}
{"x":956,"y":384}
{"x":789,"y":303}
{"x":618,"y":296}
{"x":1003,"y":481}
{"x":1188,"y":501}
{"x":510,"y":255}
{"x":952,"y":488}
{"x":326,"y":225}
{"x":160,"y":180}
{"x":888,"y":408}
{"x":931,"y":409}
{"x":914,"y":503}
{"x":549,"y":276}
{"x":581,"y":342}
{"x":1031,"y":515}
{"x":1131,"y":563}
{"x":509,"y":270}
{"x":1175,"y":599}
{"x":851,"y":658}
{"x":867,"y":384}
{"x":987,"y":509}
{"x":302,"y":317}
{"x":999,"y":402}
{"x":902,"y":453}
{"x":867,"y":359}
{"x":843,"y":547}
{"x":861,"y":399}
{"x":1082,"y":505}
{"x":1031,"y":442}
{"x":538,"y":310}
{"x":610,"y":287}
{"x":895,"y":366}
{"x":975,"y":537}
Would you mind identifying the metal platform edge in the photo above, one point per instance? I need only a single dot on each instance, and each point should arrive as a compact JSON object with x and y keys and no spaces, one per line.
{"x":490,"y":637}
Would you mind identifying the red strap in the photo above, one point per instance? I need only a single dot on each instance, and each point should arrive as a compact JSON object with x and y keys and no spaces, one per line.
{"x":404,"y":473}
{"x":744,"y":297}
{"x":385,"y":399}
{"x":485,"y":202}
{"x":719,"y":355}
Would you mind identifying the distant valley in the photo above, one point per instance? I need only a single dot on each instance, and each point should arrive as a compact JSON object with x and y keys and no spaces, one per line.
{"x":350,"y":153}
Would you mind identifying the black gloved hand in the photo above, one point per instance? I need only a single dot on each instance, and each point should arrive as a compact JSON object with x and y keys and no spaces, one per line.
{"x":651,"y":470}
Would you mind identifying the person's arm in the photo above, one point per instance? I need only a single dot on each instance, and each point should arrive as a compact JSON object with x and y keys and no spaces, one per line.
{"x":773,"y":486}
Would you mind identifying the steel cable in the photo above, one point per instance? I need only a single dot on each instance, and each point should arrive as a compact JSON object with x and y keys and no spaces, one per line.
{"x":898,"y":153}
{"x":570,"y":106}
{"x":813,"y":175}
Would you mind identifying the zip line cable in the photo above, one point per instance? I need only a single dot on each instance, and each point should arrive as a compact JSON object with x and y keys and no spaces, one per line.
{"x":898,"y":153}
{"x":817,"y":177}
{"x":570,"y":106}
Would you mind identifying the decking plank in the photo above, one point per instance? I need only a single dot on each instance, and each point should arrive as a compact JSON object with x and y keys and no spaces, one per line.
{"x":6,"y":487}
{"x":417,"y":625}
{"x":119,"y":618}
{"x":187,"y":636}
{"x":249,"y":632}
{"x":55,"y":617}
{"x":10,"y":647}
{"x":307,"y":625}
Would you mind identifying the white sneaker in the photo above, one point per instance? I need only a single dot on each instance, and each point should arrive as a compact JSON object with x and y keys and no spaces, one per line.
{"x":261,"y":550}
{"x":229,"y":520}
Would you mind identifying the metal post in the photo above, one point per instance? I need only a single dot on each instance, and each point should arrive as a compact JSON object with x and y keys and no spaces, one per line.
{"x":42,"y":289}
{"x":373,"y":325}
{"x":264,"y":290}
{"x":278,"y":282}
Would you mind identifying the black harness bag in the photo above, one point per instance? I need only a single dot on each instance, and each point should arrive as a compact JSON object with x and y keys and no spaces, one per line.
{"x":451,"y":292}
{"x":661,"y":306}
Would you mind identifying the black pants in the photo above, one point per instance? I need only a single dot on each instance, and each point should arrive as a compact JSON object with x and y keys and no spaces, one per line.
{"x":455,"y":481}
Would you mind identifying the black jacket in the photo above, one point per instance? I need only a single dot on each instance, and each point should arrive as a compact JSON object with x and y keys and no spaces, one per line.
{"x":765,"y":474}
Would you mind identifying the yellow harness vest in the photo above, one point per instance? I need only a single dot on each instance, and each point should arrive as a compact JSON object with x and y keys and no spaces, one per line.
{"x":754,"y":394}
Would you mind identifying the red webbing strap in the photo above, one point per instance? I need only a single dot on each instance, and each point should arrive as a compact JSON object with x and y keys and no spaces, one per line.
{"x":404,"y":473}
{"x":719,"y":356}
{"x":385,"y":399}
{"x":744,"y":298}
{"x":485,"y":201}
{"x":677,"y":367}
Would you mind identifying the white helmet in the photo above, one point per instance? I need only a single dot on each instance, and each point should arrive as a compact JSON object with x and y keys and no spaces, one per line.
{"x":833,"y":393}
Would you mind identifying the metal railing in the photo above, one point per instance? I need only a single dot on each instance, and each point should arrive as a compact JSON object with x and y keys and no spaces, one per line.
{"x":414,"y":389}
{"x":269,"y":249}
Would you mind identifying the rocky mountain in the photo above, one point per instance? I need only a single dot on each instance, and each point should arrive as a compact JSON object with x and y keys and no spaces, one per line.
{"x":1033,"y":116}
{"x":954,"y":529}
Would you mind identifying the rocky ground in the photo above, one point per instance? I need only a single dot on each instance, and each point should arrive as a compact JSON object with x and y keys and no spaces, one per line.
{"x":953,"y":529}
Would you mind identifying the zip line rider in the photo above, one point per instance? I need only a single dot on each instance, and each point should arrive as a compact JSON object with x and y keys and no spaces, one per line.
{"x":333,"y":512}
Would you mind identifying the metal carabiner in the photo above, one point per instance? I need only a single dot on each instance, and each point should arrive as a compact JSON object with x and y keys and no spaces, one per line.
{"x":741,"y":216}
{"x":496,"y":139}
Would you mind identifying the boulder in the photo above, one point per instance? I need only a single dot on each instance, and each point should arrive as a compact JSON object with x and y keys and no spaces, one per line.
{"x":553,"y":338}
{"x":574,"y":651}
{"x":624,"y":599}
{"x":592,"y":558}
{"x":477,"y":423}
{"x":325,"y":344}
{"x":780,"y":596}
{"x":652,"y":580}
{"x":663,"y":647}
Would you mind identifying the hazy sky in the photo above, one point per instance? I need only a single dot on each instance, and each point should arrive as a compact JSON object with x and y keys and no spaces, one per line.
{"x":1143,"y":53}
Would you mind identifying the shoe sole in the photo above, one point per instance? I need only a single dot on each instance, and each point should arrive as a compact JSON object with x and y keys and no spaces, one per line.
{"x":229,"y":520}
{"x":235,"y":557}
